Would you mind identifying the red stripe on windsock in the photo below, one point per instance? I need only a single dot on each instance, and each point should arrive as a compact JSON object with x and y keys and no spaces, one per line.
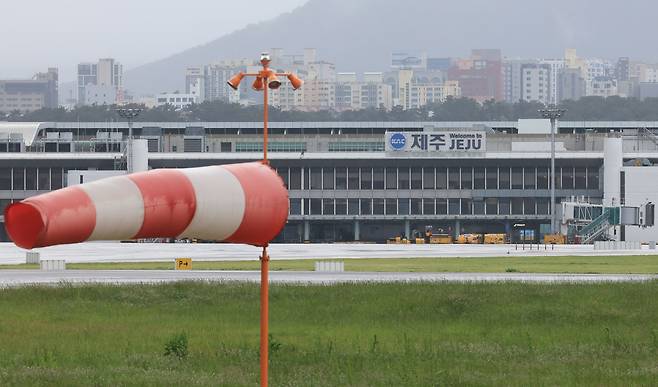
{"x":169,"y":202}
{"x":266,"y":203}
{"x":64,"y":216}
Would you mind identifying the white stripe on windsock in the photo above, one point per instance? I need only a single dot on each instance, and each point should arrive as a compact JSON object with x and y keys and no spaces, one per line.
{"x":220,"y":203}
{"x":112,"y":222}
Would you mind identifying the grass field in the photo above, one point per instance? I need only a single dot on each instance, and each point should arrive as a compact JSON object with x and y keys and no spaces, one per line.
{"x":640,"y":264}
{"x":351,"y":334}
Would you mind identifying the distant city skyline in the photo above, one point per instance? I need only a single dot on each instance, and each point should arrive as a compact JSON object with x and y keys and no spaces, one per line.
{"x":411,"y":79}
{"x":42,"y":34}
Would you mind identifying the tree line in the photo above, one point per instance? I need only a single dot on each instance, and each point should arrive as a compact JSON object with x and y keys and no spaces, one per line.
{"x":453,"y":109}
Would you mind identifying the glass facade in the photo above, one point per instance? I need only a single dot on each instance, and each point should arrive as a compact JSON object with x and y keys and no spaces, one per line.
{"x":429,"y":178}
{"x":5,"y":179}
{"x":356,"y":147}
{"x":439,"y":190}
{"x":426,"y":191}
{"x":347,"y":191}
{"x":271,"y":147}
{"x":478,"y":178}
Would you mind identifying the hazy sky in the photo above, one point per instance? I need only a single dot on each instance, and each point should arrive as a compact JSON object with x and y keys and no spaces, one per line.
{"x":61,"y":33}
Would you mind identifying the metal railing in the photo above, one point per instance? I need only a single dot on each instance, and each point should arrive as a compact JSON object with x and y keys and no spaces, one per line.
{"x":600,"y":225}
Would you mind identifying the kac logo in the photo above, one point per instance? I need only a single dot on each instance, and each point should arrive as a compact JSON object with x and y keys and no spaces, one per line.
{"x":398,"y":141}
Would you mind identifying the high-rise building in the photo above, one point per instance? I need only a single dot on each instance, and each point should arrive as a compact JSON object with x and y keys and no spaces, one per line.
{"x":110,"y":73}
{"x":285,"y":98}
{"x":371,"y":92}
{"x":649,"y":73}
{"x":417,"y":89}
{"x":536,"y":83}
{"x":512,"y":78}
{"x":318,"y":92}
{"x":571,"y":84}
{"x":195,"y":82}
{"x":100,"y":83}
{"x":209,"y":82}
{"x":26,"y":95}
{"x":556,"y":65}
{"x":480,"y":76}
{"x":623,"y":70}
{"x":86,"y":76}
{"x":346,"y":94}
{"x":321,"y":70}
{"x":596,"y":68}
{"x":214,"y":86}
{"x":635,"y":69}
{"x":627,"y":84}
{"x":594,"y":71}
{"x":603,"y":86}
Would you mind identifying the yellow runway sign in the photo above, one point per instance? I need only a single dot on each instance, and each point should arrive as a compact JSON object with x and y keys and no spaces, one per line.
{"x":183,"y":263}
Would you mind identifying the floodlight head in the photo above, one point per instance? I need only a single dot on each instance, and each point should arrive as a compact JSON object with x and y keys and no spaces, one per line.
{"x":234,"y":82}
{"x":258,"y":84}
{"x":295,"y":81}
{"x":265,"y":59}
{"x":273,"y":82}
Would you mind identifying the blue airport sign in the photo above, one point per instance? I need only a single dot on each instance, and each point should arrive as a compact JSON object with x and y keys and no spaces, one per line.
{"x":447,"y":141}
{"x":397,"y":141}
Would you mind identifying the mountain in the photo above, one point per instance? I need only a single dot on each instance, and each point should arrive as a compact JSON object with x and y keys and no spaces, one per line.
{"x":359,"y":35}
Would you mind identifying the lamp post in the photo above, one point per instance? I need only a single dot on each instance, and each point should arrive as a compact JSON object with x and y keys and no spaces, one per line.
{"x":265,"y":79}
{"x":552,"y":113}
{"x":129,"y":114}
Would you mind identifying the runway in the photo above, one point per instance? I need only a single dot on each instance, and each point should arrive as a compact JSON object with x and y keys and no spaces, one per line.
{"x":9,"y":278}
{"x":135,"y":252}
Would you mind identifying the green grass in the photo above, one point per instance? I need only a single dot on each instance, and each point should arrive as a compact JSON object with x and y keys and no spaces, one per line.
{"x":418,"y":334}
{"x":639,"y":264}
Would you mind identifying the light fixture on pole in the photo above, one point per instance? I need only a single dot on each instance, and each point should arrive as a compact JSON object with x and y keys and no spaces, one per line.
{"x":553,"y":113}
{"x":265,"y":79}
{"x":129,"y":114}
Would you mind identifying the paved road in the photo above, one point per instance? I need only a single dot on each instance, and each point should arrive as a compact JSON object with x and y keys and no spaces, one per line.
{"x":24,"y":277}
{"x":121,"y":252}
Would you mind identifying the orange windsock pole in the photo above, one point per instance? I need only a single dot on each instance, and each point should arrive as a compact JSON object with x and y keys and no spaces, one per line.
{"x":265,"y":79}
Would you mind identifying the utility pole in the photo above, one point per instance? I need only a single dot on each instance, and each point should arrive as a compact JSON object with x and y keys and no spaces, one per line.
{"x":129,"y":114}
{"x":552,"y":112}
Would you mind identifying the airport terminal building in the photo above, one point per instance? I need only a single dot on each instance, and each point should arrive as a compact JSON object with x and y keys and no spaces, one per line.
{"x":368,"y":181}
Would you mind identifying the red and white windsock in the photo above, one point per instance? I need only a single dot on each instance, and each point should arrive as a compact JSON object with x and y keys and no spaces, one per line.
{"x":240,"y":203}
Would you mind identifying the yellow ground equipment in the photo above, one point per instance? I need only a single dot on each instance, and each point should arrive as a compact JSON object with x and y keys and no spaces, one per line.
{"x":469,"y":239}
{"x":441,"y":239}
{"x":495,"y":239}
{"x":555,"y":239}
{"x":397,"y":241}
